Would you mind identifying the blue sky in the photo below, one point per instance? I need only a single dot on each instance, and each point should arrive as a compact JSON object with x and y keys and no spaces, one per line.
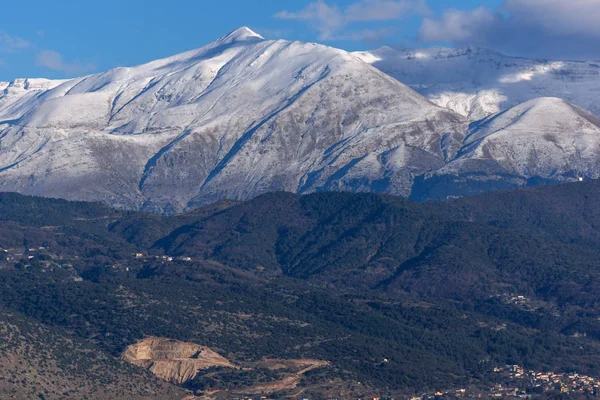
{"x":63,"y":38}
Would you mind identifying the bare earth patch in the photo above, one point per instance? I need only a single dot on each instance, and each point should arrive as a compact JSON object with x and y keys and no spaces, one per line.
{"x":172,"y":360}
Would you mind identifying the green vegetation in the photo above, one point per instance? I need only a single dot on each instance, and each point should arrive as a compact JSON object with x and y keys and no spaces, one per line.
{"x":38,"y":361}
{"x":397,"y":295}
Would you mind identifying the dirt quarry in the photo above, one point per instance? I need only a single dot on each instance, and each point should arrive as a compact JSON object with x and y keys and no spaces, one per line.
{"x":180,"y":362}
{"x":172,"y":360}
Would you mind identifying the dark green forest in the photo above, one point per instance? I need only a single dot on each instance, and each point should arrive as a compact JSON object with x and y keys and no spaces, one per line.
{"x":444,"y":291}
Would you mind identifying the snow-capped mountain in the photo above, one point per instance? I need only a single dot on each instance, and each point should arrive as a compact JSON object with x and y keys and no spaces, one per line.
{"x":234,"y":119}
{"x":243,"y":116}
{"x":476,"y":82}
{"x":545,"y":139}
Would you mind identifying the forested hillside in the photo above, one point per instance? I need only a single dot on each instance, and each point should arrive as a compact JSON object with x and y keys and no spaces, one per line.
{"x":399,"y":296}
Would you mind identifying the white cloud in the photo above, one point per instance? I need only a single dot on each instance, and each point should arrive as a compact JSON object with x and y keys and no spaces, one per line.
{"x":9,"y":43}
{"x":53,"y":60}
{"x":330,"y":20}
{"x":326,"y":19}
{"x":540,"y":28}
{"x":561,"y":17}
{"x":457,"y":26}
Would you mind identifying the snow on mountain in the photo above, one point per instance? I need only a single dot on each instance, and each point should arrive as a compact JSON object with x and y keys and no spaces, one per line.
{"x":20,"y":91}
{"x":542,"y":137}
{"x":476,"y":82}
{"x":542,"y":140}
{"x":234,"y":119}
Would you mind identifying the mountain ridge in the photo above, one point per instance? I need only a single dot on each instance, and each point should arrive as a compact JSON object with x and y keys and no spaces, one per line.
{"x":244,"y":115}
{"x":542,"y":141}
{"x":477,"y":82}
{"x":299,"y":116}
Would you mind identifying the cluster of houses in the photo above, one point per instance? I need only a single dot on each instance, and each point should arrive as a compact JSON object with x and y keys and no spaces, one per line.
{"x":46,"y":264}
{"x":519,"y":383}
{"x":540,"y":382}
{"x":141,"y":256}
{"x":13,"y":255}
{"x":523,"y":302}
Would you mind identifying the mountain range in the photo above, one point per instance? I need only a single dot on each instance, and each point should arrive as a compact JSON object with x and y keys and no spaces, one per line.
{"x":476,"y":82}
{"x":244,"y":116}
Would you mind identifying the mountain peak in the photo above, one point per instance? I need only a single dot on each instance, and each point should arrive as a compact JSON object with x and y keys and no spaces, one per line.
{"x":546,"y":109}
{"x":542,"y":101}
{"x":546,"y":117}
{"x":243,"y":34}
{"x":228,"y":117}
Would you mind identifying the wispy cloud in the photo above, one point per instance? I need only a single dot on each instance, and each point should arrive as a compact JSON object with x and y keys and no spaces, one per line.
{"x":331,"y":21}
{"x":53,"y":60}
{"x":541,"y":28}
{"x":458,"y":26}
{"x":10,"y":43}
{"x":326,"y":19}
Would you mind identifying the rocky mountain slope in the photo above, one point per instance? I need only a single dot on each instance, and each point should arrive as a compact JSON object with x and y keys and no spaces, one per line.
{"x":234,"y":119}
{"x":244,"y":116}
{"x":477,"y":82}
{"x":542,"y":140}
